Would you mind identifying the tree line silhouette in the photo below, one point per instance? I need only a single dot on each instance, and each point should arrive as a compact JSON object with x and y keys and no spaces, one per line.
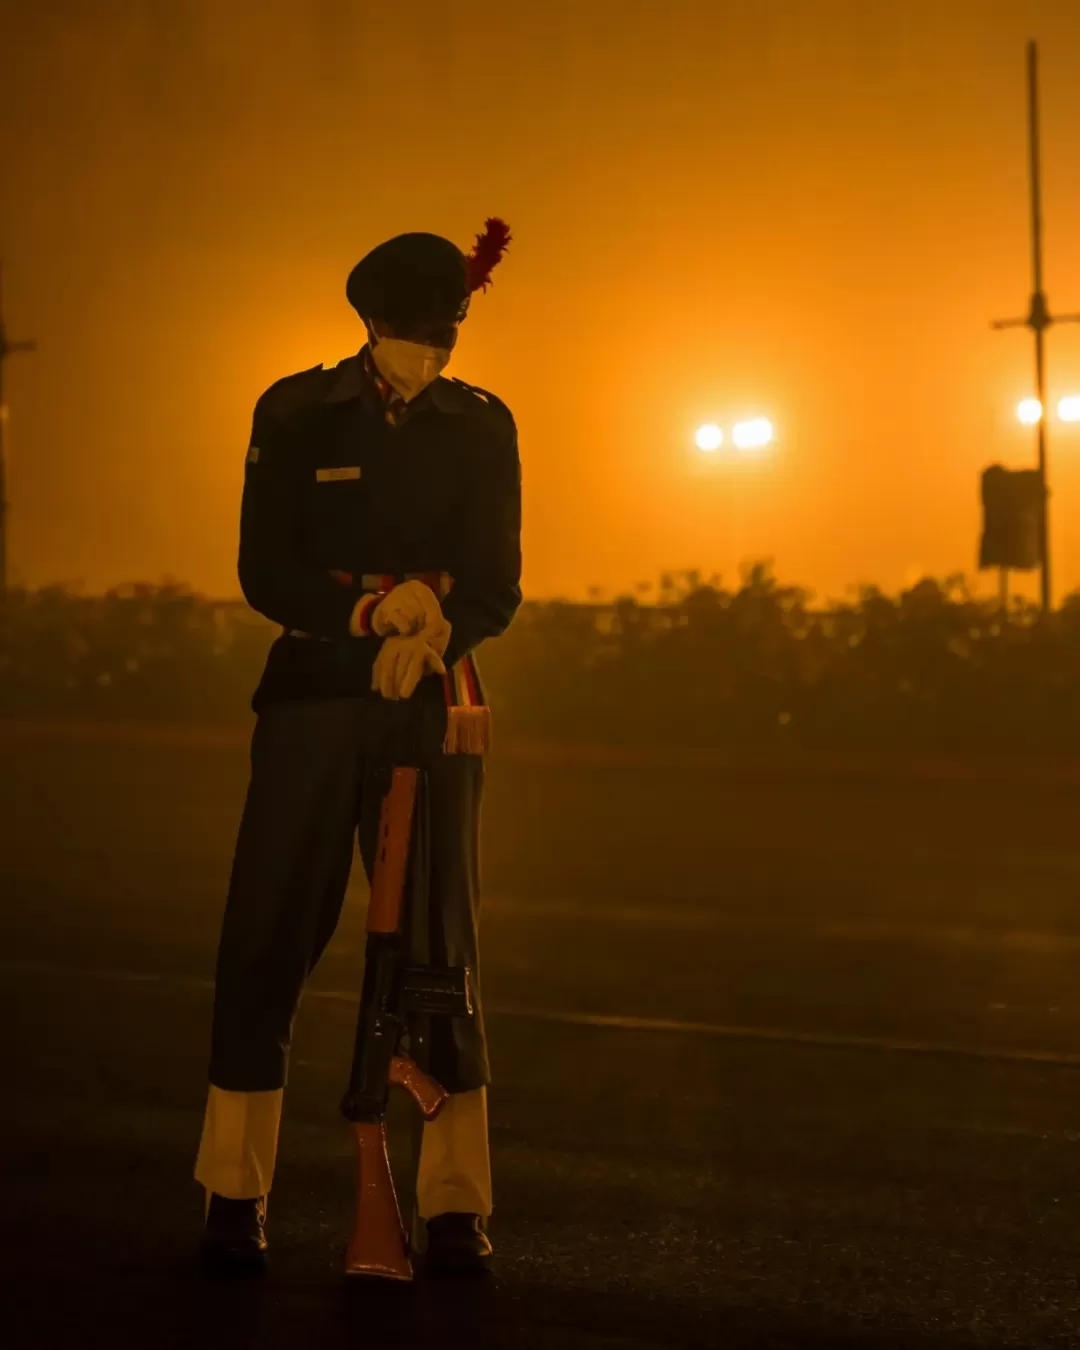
{"x":687,"y":663}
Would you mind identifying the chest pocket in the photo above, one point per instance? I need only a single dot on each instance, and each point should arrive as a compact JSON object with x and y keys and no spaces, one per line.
{"x":336,"y":496}
{"x":432,"y":482}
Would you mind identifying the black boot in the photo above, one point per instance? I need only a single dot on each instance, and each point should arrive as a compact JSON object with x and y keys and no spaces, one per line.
{"x":235,"y":1239}
{"x":457,"y":1245}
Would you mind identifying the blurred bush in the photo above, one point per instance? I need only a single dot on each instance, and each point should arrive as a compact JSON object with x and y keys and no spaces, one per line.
{"x":686,"y":663}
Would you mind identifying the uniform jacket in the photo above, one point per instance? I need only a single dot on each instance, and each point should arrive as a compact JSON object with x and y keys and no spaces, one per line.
{"x":332,"y":489}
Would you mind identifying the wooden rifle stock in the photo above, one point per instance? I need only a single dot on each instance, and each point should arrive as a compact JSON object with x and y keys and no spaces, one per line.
{"x":379,"y":1244}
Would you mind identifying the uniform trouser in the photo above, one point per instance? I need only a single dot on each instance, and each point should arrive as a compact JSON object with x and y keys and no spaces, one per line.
{"x":315,"y":786}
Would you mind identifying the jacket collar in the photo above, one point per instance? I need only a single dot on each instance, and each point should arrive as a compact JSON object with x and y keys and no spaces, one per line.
{"x":351,"y":381}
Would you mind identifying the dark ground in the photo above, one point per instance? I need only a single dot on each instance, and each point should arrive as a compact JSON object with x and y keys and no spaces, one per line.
{"x":850,"y":1117}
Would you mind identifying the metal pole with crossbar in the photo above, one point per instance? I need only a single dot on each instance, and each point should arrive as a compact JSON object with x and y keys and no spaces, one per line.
{"x":1038,"y":318}
{"x":6,"y":349}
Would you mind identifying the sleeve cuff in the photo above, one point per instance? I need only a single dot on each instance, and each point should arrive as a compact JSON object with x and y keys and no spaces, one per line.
{"x":360,"y":621}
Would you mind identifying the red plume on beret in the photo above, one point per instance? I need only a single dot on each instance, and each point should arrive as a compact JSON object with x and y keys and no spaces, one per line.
{"x":487,"y":251}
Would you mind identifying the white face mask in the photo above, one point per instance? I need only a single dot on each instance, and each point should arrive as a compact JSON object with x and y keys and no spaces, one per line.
{"x":409,"y":367}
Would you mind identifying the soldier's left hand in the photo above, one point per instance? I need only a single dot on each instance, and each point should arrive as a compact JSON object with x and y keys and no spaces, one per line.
{"x":407,"y":608}
{"x":402,"y":663}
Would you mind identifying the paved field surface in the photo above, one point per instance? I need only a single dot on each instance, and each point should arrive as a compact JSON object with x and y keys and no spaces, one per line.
{"x":784,"y":1059}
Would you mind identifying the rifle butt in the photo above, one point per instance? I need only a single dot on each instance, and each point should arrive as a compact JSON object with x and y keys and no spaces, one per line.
{"x":379,"y":1246}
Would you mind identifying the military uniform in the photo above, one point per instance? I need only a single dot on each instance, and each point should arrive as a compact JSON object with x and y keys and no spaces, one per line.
{"x":349,"y":490}
{"x":334,"y":489}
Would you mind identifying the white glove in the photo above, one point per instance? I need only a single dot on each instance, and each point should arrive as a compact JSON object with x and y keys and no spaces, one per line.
{"x":436,"y":634}
{"x":402,"y":663}
{"x":408,"y":608}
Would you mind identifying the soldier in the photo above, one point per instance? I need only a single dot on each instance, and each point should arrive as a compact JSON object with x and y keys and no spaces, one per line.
{"x":380,"y":527}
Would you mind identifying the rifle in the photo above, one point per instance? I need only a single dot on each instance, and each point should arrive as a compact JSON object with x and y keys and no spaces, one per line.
{"x":393,"y":991}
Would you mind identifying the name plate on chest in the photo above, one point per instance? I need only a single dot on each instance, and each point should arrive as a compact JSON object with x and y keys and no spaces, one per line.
{"x":336,"y":475}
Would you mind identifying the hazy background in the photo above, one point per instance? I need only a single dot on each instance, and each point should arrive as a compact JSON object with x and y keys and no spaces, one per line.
{"x":810,"y":210}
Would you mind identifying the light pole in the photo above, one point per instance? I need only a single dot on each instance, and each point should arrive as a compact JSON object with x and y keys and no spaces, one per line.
{"x":1039,"y":318}
{"x":6,"y":349}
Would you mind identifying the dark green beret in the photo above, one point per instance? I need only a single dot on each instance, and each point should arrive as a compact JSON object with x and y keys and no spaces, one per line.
{"x":412,"y":278}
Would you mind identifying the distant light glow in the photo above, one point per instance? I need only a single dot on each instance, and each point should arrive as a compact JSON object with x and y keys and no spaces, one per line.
{"x":709,"y":437}
{"x":1029,"y":411}
{"x":1069,"y":408}
{"x":754,"y":434}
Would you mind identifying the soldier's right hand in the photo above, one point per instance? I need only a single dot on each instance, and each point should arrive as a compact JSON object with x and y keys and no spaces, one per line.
{"x":407,"y":609}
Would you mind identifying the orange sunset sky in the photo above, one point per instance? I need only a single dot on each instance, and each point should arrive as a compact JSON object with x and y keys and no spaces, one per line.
{"x":809,"y":210}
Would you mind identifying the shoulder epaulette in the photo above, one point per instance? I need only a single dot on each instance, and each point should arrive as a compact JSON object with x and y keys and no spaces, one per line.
{"x":484,"y":396}
{"x":289,"y":395}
